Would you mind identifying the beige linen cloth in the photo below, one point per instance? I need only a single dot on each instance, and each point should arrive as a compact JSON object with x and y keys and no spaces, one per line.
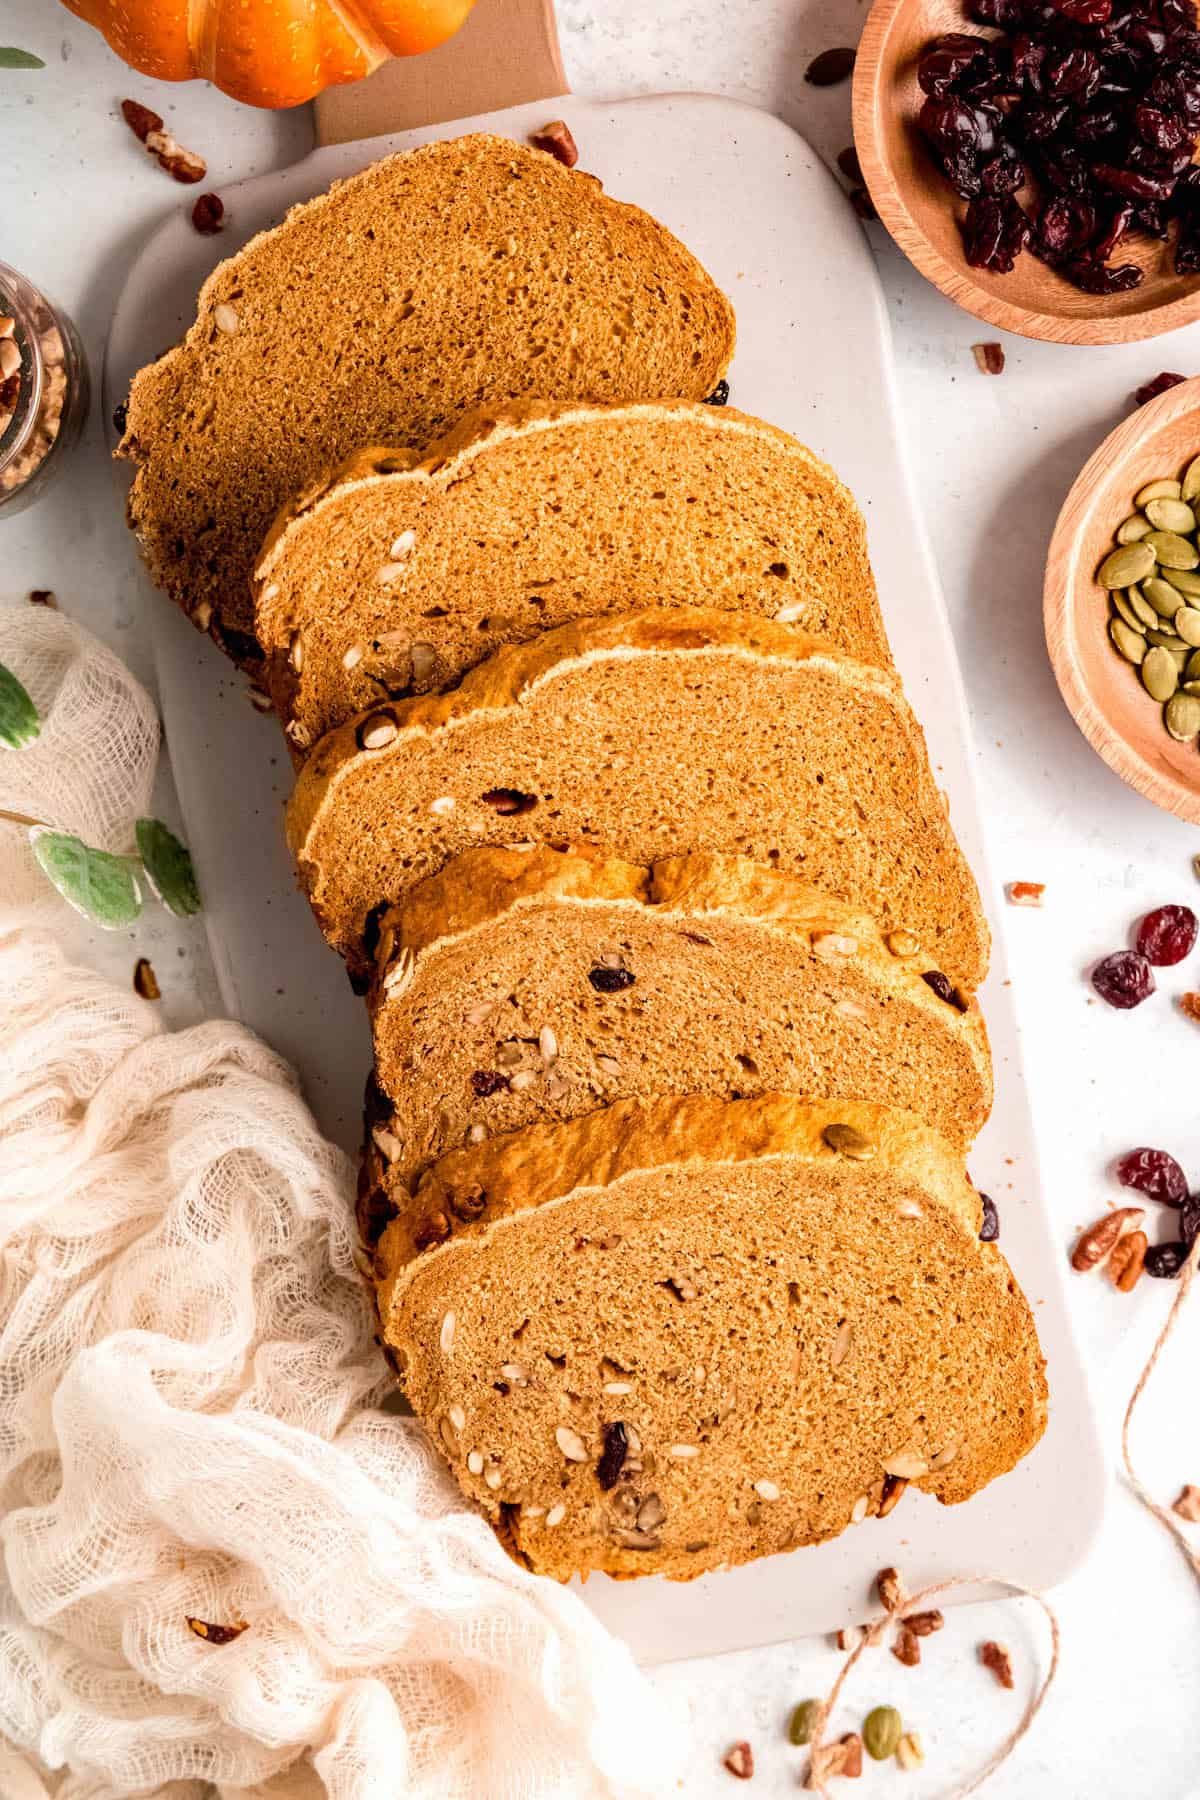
{"x":189,"y":1407}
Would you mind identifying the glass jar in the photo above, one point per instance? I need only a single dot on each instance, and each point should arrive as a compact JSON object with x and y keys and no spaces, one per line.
{"x":43,"y":390}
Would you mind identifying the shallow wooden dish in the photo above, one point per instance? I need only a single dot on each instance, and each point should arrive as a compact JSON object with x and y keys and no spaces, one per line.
{"x":1107,"y":700}
{"x":922,"y":211}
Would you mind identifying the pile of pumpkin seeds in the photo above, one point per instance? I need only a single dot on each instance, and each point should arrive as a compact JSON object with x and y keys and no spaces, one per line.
{"x":1153,"y":583}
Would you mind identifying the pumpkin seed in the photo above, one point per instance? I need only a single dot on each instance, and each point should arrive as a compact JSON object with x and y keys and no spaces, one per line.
{"x":1133,"y":562}
{"x":1187,"y":625}
{"x":1134,"y":527}
{"x":1163,"y":489}
{"x":1168,"y":549}
{"x":881,"y":1732}
{"x":1190,"y":687}
{"x":1125,"y":610}
{"x":1181,"y":716}
{"x":1162,"y":596}
{"x":1171,"y":515}
{"x":1189,"y":487}
{"x":1131,"y":646}
{"x":1184,"y":580}
{"x":1192,"y":669}
{"x":1160,"y":677}
{"x":1140,"y":608}
{"x":1166,"y":640}
{"x":804,"y":1717}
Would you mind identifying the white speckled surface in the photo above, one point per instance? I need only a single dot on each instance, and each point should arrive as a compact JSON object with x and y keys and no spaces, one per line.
{"x":993,"y":459}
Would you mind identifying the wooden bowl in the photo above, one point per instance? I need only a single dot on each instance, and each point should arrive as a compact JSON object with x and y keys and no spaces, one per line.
{"x":922,"y":211}
{"x":1107,"y":700}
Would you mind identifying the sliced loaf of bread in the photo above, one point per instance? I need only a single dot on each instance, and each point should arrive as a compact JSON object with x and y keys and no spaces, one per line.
{"x":675,"y":1335}
{"x":656,"y":733}
{"x":525,"y":517}
{"x":449,"y":277}
{"x":521,"y":984}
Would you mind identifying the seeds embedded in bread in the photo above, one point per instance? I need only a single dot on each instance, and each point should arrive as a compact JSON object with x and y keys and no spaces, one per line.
{"x":656,"y":733}
{"x":452,"y":276}
{"x":528,"y":516}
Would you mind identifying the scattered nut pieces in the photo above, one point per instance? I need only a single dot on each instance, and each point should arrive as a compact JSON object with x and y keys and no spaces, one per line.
{"x":216,"y":1634}
{"x":852,"y":1751}
{"x":1188,"y":1504}
{"x":989,"y":358}
{"x":907,"y":1647}
{"x":995,"y":1657}
{"x":180,"y":164}
{"x":890,"y":1588}
{"x":924,"y":1624}
{"x":556,"y":140}
{"x":893,"y":1491}
{"x":1026,"y":893}
{"x":842,"y":1758}
{"x":141,"y":120}
{"x":739,"y":1760}
{"x":1189,"y":1005}
{"x":43,"y":597}
{"x":208,"y":215}
{"x":910,"y":1753}
{"x":849,"y":1637}
{"x":145,"y":982}
{"x":1127,"y":1260}
{"x":1094,"y":1244}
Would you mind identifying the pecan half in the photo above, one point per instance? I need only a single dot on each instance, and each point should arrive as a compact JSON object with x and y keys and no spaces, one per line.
{"x":890,"y":1588}
{"x":995,"y":1657}
{"x":907,"y":1647}
{"x":1188,"y":1504}
{"x":1127,"y":1260}
{"x":739,"y":1760}
{"x":989,"y":360}
{"x":141,"y":120}
{"x":556,"y":139}
{"x":923,"y":1624}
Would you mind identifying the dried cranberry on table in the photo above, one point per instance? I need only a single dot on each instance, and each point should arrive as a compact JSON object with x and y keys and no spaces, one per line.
{"x":1154,"y":1173}
{"x":989,"y":1229}
{"x":1189,"y":1220}
{"x":1161,"y":384}
{"x":1124,"y":979}
{"x":1165,"y":1260}
{"x":1166,"y":935}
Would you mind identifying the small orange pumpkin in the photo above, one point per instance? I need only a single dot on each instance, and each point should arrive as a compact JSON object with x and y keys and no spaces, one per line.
{"x":269,"y":52}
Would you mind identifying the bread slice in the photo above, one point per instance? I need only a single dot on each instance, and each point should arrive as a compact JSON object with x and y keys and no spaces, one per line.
{"x":521,"y":984}
{"x":446,"y":278}
{"x":679,"y":1334}
{"x":525,"y":517}
{"x":656,"y":733}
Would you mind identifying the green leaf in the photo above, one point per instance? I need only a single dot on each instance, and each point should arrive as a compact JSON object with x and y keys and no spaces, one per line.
{"x":168,"y":867}
{"x":19,"y":59}
{"x":19,"y":723}
{"x":103,"y":888}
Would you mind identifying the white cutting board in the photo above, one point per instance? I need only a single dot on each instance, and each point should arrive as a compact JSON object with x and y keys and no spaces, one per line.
{"x":766,"y":218}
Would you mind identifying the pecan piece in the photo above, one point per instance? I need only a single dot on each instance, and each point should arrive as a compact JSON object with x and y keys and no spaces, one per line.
{"x":1094,"y":1244}
{"x":1026,"y":893}
{"x":989,"y":360}
{"x":995,"y":1657}
{"x":215,"y":1634}
{"x":141,"y":120}
{"x":893,"y":1489}
{"x":208,"y":215}
{"x":556,"y":139}
{"x":1188,"y":1504}
{"x":1127,"y":1260}
{"x":433,"y":1229}
{"x":907,"y":1647}
{"x":890,"y":1588}
{"x":923,"y":1624}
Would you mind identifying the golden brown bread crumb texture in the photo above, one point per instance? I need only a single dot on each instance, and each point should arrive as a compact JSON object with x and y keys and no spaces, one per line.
{"x":527,"y":517}
{"x":682,"y":1334}
{"x":450,"y":277}
{"x":657,"y":733}
{"x":522,"y":984}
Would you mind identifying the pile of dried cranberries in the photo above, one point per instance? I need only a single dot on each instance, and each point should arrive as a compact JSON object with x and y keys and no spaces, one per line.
{"x":1090,"y":106}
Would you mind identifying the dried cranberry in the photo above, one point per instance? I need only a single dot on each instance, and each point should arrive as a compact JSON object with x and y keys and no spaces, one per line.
{"x":1165,"y":1260}
{"x":1160,"y":385}
{"x":1084,"y":12}
{"x":1074,"y":76}
{"x":944,"y":988}
{"x":611,"y":981}
{"x":1189,"y":1220}
{"x":1118,"y":224}
{"x":996,"y":12}
{"x":1097,"y":127}
{"x":989,"y":1230}
{"x":1098,"y":278}
{"x":1005,"y":173}
{"x":1162,"y":130}
{"x":1037,"y":124}
{"x":951,"y":123}
{"x":1166,"y":935}
{"x":948,"y":58}
{"x":830,"y":67}
{"x":994,"y":233}
{"x":509,"y":800}
{"x":487,"y":1082}
{"x":1026,"y":58}
{"x":120,"y":417}
{"x":1124,"y":979}
{"x":1154,"y":1173}
{"x":612,"y":1457}
{"x":1066,"y":224}
{"x":1187,"y":251}
{"x":719,"y":395}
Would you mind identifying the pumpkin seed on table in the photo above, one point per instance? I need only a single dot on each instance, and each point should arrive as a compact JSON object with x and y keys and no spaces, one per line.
{"x":1122,"y":603}
{"x":1171,"y":515}
{"x":1164,"y":598}
{"x":1130,"y":644}
{"x":1136,"y":526}
{"x":1130,"y":564}
{"x":1169,"y":550}
{"x":881,"y":1732}
{"x":1181,"y":716}
{"x":1163,"y":489}
{"x":1160,"y":677}
{"x":1183,"y":579}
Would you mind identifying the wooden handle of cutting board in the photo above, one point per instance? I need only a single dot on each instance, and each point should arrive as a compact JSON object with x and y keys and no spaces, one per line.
{"x":506,"y":53}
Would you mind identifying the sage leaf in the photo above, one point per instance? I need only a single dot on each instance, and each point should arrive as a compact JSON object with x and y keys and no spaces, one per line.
{"x":102,"y":887}
{"x":19,"y":722}
{"x":168,"y":867}
{"x":19,"y":59}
